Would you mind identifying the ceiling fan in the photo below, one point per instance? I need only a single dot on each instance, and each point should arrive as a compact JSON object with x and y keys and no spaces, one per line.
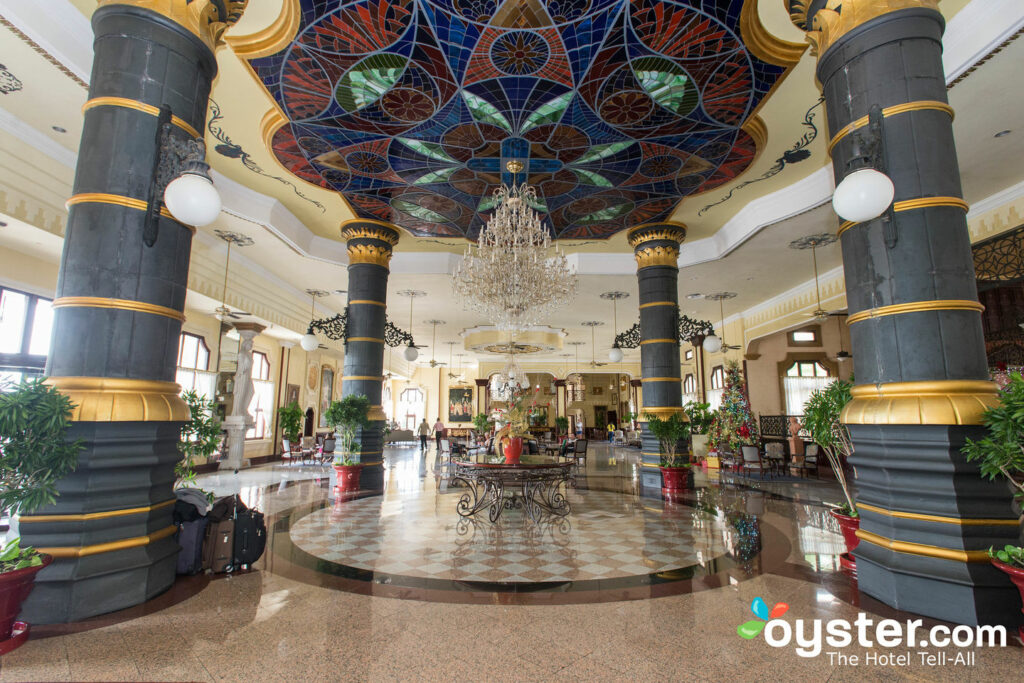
{"x":434,"y":363}
{"x":720,"y":297}
{"x":812,"y":242}
{"x":459,"y":377}
{"x":593,"y":324}
{"x":222,"y":312}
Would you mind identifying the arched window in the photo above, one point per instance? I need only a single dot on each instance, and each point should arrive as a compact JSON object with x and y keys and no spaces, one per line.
{"x":261,"y":406}
{"x":717,"y":386}
{"x":193,"y":364}
{"x":800,"y":380}
{"x":689,"y":388}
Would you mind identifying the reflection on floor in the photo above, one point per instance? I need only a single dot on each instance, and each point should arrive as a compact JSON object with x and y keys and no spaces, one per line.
{"x":398,"y":587}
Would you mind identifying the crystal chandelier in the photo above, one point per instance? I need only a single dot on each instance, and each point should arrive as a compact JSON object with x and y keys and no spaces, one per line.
{"x":508,"y":276}
{"x":509,"y":380}
{"x":575,"y":387}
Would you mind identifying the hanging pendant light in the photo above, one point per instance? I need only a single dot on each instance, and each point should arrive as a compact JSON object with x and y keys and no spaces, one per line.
{"x":309,"y":341}
{"x":410,"y":352}
{"x":615,"y":354}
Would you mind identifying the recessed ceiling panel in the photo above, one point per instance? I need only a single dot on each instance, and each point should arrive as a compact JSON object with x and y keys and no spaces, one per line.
{"x":617,"y":108}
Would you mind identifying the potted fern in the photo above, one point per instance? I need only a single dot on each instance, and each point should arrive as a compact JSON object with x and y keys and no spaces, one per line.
{"x":200,"y":437}
{"x":821,"y":419}
{"x":34,"y":455}
{"x":1001,"y":455}
{"x":345,"y":417}
{"x":669,"y":432}
{"x":562,"y":425}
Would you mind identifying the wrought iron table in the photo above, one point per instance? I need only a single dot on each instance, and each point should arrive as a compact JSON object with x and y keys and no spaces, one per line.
{"x":534,"y":485}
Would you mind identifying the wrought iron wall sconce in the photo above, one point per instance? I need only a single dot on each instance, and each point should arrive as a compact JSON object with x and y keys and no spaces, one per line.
{"x":180,"y":181}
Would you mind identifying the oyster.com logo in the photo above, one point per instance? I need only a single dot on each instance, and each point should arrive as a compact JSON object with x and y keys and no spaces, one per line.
{"x":751,"y":629}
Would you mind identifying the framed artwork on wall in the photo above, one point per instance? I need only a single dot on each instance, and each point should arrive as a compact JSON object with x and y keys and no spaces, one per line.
{"x":291,"y":394}
{"x":460,"y":405}
{"x":597,"y":391}
{"x":326,"y":393}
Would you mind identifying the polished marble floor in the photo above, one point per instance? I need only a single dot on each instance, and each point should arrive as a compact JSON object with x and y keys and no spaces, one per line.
{"x":398,"y":587}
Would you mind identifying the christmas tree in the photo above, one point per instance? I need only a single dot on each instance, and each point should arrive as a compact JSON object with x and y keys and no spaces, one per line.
{"x":733,"y":425}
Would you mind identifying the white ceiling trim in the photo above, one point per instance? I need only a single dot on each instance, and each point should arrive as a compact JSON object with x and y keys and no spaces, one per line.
{"x":1001,"y":198}
{"x":976,"y":30}
{"x":58,"y":27}
{"x":40,"y":141}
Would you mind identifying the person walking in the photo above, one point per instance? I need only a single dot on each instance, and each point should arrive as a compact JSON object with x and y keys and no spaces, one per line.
{"x":424,"y":432}
{"x":438,"y":433}
{"x":611,"y":431}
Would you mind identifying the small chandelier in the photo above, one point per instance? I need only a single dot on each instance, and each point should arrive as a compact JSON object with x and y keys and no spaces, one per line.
{"x":509,"y":277}
{"x":511,"y":379}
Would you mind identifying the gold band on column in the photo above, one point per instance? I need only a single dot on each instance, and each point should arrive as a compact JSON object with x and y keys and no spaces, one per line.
{"x":661,"y":379}
{"x":961,"y":521}
{"x":664,"y":410}
{"x":657,"y":303}
{"x":922,"y":549}
{"x":123,"y":544}
{"x":915,"y":307}
{"x":138,"y":106}
{"x":89,"y":516}
{"x":939,"y":402}
{"x":121,"y":304}
{"x":369,"y":302}
{"x":121,"y":200}
{"x":374,"y":340}
{"x":920,"y":105}
{"x":912,"y":204}
{"x":363,"y":378}
{"x":659,"y":341}
{"x":110,"y":399}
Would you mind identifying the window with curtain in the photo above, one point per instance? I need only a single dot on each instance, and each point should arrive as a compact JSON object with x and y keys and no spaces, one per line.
{"x":262,"y":405}
{"x":689,"y":388}
{"x":25,"y":324}
{"x":193,"y":365}
{"x":800,"y":380}
{"x":717,"y":386}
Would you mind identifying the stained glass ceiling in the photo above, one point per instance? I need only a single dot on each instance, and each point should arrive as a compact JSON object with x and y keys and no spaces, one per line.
{"x":618,"y":108}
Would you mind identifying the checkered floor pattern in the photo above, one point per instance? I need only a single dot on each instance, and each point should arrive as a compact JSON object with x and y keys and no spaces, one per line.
{"x":419,"y":534}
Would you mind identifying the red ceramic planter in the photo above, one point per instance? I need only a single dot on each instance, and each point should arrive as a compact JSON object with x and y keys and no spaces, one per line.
{"x":14,"y":588}
{"x":513,"y":450}
{"x":348,"y":477}
{"x":848,"y":525}
{"x":674,"y":479}
{"x":1017,"y":576}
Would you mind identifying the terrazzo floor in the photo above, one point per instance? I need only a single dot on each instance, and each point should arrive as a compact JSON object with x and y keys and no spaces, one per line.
{"x":332,"y":601}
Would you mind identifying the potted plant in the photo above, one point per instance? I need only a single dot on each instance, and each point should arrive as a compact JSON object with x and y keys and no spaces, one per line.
{"x":701,"y":417}
{"x":1001,"y":455}
{"x":669,"y":432}
{"x":821,"y":419}
{"x":345,"y":417}
{"x":562,"y":425}
{"x":200,"y":437}
{"x":34,"y":455}
{"x":290,"y":418}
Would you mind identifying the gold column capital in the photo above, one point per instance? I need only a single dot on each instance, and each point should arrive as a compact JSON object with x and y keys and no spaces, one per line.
{"x":367,"y":253}
{"x":202,"y":18}
{"x":657,"y":256}
{"x":368,"y":228}
{"x":656,"y":232}
{"x":839,"y":17}
{"x":939,"y":402}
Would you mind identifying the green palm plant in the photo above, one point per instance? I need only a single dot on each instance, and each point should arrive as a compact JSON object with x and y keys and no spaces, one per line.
{"x":291,"y":421}
{"x":669,"y":432}
{"x":821,"y":419}
{"x":34,"y":455}
{"x":345,"y":417}
{"x":200,"y":437}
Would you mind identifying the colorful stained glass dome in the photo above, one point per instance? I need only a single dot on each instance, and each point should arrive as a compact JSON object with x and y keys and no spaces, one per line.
{"x":617,"y":108}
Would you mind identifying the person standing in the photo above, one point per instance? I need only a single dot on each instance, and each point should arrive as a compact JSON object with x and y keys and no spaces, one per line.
{"x":424,"y":432}
{"x":611,"y":431}
{"x":438,"y":433}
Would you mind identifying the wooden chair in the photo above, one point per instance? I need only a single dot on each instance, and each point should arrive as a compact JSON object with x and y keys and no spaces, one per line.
{"x":579,"y":450}
{"x":619,"y":437}
{"x":752,"y":460}
{"x":774,"y":455}
{"x":327,"y":451}
{"x":289,"y":452}
{"x":811,"y":455}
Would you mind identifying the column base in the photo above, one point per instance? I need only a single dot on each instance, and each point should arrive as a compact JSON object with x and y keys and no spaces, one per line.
{"x":927,"y":520}
{"x":107,"y":562}
{"x":371,"y":441}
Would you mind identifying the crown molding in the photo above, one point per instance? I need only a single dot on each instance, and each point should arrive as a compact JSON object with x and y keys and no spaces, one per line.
{"x":57,"y":27}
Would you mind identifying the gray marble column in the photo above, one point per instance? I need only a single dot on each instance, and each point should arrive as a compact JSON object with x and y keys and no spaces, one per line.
{"x":118,"y":315}
{"x":656,"y":248}
{"x":369,"y":252}
{"x":927,"y":517}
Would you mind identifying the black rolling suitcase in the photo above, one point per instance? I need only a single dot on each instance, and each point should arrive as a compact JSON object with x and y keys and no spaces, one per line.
{"x":190,"y":538}
{"x":250,"y":537}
